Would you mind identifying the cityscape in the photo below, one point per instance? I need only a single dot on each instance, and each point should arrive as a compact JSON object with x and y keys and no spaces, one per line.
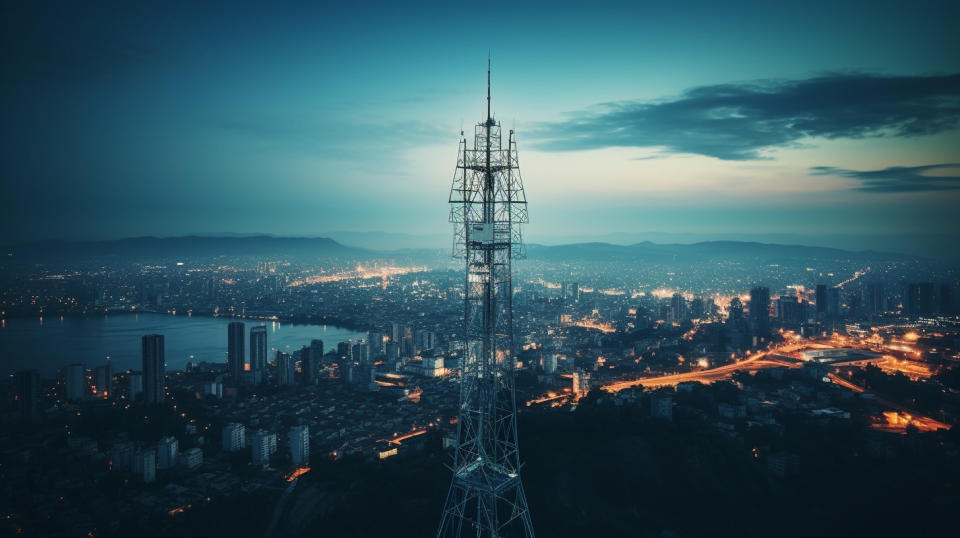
{"x":190,"y":347}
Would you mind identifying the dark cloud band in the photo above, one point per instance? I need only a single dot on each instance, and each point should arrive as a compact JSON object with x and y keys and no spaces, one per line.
{"x":898,"y":178}
{"x":739,"y":121}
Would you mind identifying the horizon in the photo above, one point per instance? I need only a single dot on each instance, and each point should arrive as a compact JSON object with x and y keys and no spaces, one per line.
{"x":925,"y":246}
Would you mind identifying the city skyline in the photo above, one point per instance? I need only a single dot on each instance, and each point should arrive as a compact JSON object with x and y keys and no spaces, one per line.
{"x":807,"y":119}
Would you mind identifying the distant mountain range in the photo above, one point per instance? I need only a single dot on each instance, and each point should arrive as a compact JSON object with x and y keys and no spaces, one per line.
{"x":703,"y":251}
{"x":174,"y":248}
{"x":170,"y":248}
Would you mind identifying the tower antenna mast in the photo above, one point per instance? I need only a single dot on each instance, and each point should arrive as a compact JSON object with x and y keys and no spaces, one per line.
{"x":487,"y":208}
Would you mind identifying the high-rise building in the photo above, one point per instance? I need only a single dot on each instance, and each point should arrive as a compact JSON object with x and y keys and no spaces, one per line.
{"x":549,"y":363}
{"x":145,"y":464}
{"x":103,"y":380}
{"x":425,"y":339}
{"x":134,"y":385}
{"x":316,"y":348}
{"x":679,"y":306}
{"x":234,"y":437}
{"x":760,"y":311}
{"x":833,"y":302}
{"x":374,"y":344}
{"x":236,"y":355}
{"x":154,"y":369}
{"x":263,"y":444}
{"x":821,"y":299}
{"x":27,"y":396}
{"x":76,"y":380}
{"x":286,"y":369}
{"x":876,"y":300}
{"x":258,"y":349}
{"x":359,"y":353}
{"x":393,"y":351}
{"x":299,"y":438}
{"x":167,"y":449}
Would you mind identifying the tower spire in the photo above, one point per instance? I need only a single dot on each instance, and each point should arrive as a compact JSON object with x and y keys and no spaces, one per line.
{"x":488,"y":88}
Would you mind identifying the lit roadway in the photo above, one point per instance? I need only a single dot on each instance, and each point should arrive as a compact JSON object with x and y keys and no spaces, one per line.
{"x":755,"y":362}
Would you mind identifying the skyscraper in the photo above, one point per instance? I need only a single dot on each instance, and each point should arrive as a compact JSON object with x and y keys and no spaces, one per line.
{"x":821,"y":300}
{"x":833,"y":302}
{"x":258,"y":349}
{"x":234,"y":437}
{"x":76,"y":379}
{"x":235,"y":352}
{"x":154,"y":369}
{"x":286,"y":369}
{"x":299,"y":438}
{"x":760,"y":311}
{"x":375,"y":343}
{"x":167,"y":450}
{"x":103,"y":381}
{"x":876,"y":300}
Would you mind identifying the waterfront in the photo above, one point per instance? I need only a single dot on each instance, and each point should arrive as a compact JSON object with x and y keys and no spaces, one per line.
{"x":48,"y":344}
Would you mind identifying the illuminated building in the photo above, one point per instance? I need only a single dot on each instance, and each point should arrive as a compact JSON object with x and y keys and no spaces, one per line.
{"x":154,"y":369}
{"x":433,"y":367}
{"x":167,"y":449}
{"x":580,"y":382}
{"x":234,"y":437}
{"x":258,"y":350}
{"x":76,"y":379}
{"x":486,"y":497}
{"x":299,"y":438}
{"x":235,"y":349}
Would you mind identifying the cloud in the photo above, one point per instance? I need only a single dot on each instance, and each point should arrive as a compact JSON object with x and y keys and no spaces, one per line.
{"x":739,"y":121}
{"x":898,"y":178}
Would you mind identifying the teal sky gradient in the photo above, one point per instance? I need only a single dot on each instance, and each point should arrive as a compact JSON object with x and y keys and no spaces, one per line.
{"x":300,"y":119}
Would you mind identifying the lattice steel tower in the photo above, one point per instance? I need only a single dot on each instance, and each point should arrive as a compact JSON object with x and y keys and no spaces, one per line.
{"x":487,"y":207}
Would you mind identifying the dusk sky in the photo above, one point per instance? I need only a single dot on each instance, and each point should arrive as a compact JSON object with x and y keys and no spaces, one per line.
{"x":813,"y":118}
